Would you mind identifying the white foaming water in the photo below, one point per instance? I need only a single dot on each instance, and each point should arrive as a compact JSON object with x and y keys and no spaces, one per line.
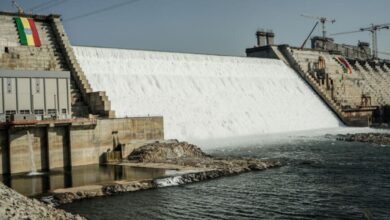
{"x":169,"y":181}
{"x":204,"y":97}
{"x":32,"y":158}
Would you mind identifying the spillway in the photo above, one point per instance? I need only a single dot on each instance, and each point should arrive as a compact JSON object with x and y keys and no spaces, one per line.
{"x":204,"y":97}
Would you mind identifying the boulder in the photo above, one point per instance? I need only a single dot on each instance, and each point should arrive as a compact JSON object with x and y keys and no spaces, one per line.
{"x":165,"y":152}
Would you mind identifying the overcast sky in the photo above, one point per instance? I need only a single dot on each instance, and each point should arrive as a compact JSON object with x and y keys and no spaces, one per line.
{"x":208,"y":26}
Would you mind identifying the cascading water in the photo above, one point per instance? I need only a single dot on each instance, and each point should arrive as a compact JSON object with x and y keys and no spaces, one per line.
{"x":169,"y":181}
{"x":31,"y":151}
{"x":33,"y":171}
{"x":204,"y":97}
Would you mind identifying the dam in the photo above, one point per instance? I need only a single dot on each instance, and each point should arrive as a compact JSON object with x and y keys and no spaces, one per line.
{"x":205,"y":97}
{"x":91,"y":128}
{"x":64,"y":106}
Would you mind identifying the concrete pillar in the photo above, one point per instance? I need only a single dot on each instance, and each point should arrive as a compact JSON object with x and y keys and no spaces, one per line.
{"x":20,"y":156}
{"x":270,"y":38}
{"x":58,"y":147}
{"x":261,"y":38}
{"x":45,"y":163}
{"x":5,"y":163}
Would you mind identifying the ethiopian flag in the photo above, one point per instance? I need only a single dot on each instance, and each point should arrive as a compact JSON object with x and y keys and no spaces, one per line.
{"x":347,"y":68}
{"x":28,"y":33}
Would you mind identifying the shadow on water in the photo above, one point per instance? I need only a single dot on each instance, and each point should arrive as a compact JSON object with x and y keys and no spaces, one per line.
{"x":34,"y":185}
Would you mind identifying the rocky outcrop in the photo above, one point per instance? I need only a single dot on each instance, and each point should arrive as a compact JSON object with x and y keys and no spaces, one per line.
{"x":195,"y":166}
{"x":163,"y":152}
{"x":217,"y":168}
{"x":185,"y":154}
{"x":376,"y":138}
{"x":65,"y":196}
{"x":16,"y":206}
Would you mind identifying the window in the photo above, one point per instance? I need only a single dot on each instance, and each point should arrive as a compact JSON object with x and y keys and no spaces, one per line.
{"x":38,"y":111}
{"x":51,"y":111}
{"x":63,"y":111}
{"x":24,"y":112}
{"x":10,"y":112}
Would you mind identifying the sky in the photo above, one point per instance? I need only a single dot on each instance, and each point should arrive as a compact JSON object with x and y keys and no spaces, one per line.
{"x":224,"y":27}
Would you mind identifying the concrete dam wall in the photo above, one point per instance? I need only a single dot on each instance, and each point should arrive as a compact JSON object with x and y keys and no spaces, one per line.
{"x":205,"y":97}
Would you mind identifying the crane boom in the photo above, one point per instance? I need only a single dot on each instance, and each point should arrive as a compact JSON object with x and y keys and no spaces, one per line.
{"x":323,"y":21}
{"x":374,"y":28}
{"x":20,"y":9}
{"x":346,"y":32}
{"x":384,"y":53}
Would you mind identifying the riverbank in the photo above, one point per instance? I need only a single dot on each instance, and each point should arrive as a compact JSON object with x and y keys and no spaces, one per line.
{"x":16,"y":206}
{"x":185,"y":162}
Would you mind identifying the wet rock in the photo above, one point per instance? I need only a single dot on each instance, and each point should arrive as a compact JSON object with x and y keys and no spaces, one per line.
{"x":376,"y":138}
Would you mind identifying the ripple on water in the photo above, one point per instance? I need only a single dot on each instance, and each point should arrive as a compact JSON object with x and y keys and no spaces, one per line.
{"x":320,"y":181}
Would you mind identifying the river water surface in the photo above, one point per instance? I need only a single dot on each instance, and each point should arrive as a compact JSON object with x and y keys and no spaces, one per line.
{"x":322,"y":179}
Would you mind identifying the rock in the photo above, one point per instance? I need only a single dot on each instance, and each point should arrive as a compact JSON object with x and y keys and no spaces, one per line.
{"x":178,"y":153}
{"x":16,"y":206}
{"x":376,"y":138}
{"x":162,"y":152}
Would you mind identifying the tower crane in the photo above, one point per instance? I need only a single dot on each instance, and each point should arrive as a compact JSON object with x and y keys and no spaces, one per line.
{"x":373,"y":28}
{"x":323,"y":21}
{"x":20,"y":9}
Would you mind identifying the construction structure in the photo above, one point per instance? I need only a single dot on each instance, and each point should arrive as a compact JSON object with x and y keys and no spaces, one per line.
{"x":373,"y":29}
{"x":351,"y":80}
{"x":49,"y":115}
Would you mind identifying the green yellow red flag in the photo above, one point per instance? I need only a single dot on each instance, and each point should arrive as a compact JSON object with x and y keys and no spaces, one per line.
{"x":27,"y":31}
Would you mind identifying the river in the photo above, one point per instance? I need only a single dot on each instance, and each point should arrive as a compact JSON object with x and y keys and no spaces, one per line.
{"x":322,"y":179}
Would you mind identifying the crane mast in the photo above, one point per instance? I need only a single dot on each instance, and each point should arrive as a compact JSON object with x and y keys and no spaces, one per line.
{"x":323,"y":21}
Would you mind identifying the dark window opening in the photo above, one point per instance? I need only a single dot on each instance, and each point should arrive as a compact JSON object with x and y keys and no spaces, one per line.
{"x":51,"y":111}
{"x":25,"y":112}
{"x":38,"y":111}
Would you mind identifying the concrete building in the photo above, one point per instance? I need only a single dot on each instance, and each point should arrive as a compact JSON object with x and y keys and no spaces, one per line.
{"x":49,"y":115}
{"x":34,"y":95}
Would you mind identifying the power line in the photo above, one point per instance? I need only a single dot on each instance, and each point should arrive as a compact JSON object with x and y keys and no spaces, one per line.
{"x":101,"y":10}
{"x":54,"y":4}
{"x":41,"y":5}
